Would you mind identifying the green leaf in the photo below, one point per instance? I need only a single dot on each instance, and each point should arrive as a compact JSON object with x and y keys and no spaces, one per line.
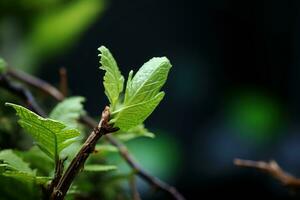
{"x":38,"y":160}
{"x":130,"y":116}
{"x":72,"y":150}
{"x":135,"y":132}
{"x":113,"y":80}
{"x":21,"y":176}
{"x":14,"y":162}
{"x":142,"y":93}
{"x":105,"y":148}
{"x":24,"y":177}
{"x":148,"y":81}
{"x":99,"y":168}
{"x":51,"y":136}
{"x":42,"y":179}
{"x":13,"y":166}
{"x":3,"y":66}
{"x":68,"y":111}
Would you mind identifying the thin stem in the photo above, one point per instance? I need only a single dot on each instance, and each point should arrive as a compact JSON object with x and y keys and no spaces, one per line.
{"x":132,"y":183}
{"x":22,"y":93}
{"x":271,"y":168}
{"x":35,"y":82}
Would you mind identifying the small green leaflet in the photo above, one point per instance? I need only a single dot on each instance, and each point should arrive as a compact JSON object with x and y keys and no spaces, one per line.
{"x":13,"y":166}
{"x":142,"y":93}
{"x":99,"y":168}
{"x":51,"y":136}
{"x":135,"y":132}
{"x":101,"y":148}
{"x":130,"y":116}
{"x":38,"y":160}
{"x":148,"y":81}
{"x":14,"y":162}
{"x":113,"y":80}
{"x":68,"y":111}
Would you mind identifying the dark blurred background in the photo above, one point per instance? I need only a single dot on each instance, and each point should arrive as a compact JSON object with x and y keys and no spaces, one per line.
{"x":232,"y":91}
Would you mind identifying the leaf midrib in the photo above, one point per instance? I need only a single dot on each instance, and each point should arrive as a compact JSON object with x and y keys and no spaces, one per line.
{"x":142,"y":85}
{"x":134,"y":105}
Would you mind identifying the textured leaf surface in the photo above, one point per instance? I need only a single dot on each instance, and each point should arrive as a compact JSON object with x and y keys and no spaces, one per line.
{"x":142,"y":93}
{"x":132,"y":115}
{"x":99,"y":168}
{"x":68,"y":111}
{"x":21,"y":176}
{"x":13,"y":166}
{"x":14,"y":162}
{"x":113,"y":80}
{"x":148,"y":81}
{"x":38,"y":160}
{"x":51,"y":136}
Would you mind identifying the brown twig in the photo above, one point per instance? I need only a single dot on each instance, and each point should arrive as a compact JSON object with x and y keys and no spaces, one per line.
{"x":36,"y":82}
{"x":21,"y":92}
{"x":271,"y":168}
{"x":87,"y":120}
{"x":77,"y":163}
{"x":63,"y":81}
{"x":134,"y":191}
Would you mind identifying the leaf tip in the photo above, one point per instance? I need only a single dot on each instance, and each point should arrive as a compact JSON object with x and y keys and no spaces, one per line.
{"x":10,"y":104}
{"x":161,"y":94}
{"x":102,"y":49}
{"x":165,"y":60}
{"x":130,"y":73}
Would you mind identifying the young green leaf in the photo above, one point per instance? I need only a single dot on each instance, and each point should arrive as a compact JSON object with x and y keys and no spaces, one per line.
{"x":105,"y":148}
{"x":99,"y":168}
{"x":14,"y":162}
{"x":38,"y":160}
{"x":135,"y":132}
{"x":148,"y":81}
{"x":51,"y":136}
{"x":68,"y":111}
{"x":13,"y":166}
{"x":113,"y":80}
{"x":142,"y":93}
{"x":24,"y":177}
{"x":130,"y":116}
